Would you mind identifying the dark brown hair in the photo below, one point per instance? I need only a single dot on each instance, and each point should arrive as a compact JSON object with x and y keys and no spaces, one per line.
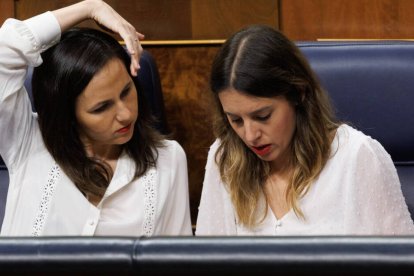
{"x":66,"y":70}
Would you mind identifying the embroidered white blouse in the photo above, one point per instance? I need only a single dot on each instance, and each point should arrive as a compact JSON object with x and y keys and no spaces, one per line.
{"x":41,"y":200}
{"x":357,"y":193}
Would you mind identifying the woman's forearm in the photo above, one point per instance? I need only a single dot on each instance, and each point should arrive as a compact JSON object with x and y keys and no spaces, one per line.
{"x":74,"y":14}
{"x":105,"y":16}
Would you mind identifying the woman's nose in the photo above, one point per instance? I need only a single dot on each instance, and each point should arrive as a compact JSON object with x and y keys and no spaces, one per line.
{"x":123,"y":113}
{"x":252,"y":132}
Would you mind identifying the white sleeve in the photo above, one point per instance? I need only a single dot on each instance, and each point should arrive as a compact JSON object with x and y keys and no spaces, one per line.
{"x":215,"y":213}
{"x":177,"y":219}
{"x":378,"y":206}
{"x":21,"y":43}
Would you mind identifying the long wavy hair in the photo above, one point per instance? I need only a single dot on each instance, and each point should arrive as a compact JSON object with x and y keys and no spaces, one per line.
{"x":262,"y":62}
{"x":66,"y":70}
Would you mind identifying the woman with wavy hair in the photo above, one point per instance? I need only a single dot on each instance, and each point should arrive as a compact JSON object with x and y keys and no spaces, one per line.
{"x":282,"y":164}
{"x":89,"y":161}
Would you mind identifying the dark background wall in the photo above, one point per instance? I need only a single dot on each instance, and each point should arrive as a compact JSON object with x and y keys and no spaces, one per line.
{"x":184,"y":36}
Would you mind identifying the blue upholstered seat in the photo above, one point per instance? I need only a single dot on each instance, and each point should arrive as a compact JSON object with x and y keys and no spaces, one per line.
{"x":372,"y":86}
{"x":149,"y":79}
{"x":204,"y":256}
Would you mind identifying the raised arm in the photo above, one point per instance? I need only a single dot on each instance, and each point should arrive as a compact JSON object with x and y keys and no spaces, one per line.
{"x":105,"y":16}
{"x":21,"y":45}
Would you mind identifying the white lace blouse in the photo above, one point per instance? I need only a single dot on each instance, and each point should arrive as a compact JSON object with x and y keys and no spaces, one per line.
{"x":41,"y":200}
{"x":357,"y":193}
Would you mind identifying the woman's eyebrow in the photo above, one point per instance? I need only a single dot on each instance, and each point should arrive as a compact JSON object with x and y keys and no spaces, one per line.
{"x":253,"y":113}
{"x":126,"y":87}
{"x":98,"y":104}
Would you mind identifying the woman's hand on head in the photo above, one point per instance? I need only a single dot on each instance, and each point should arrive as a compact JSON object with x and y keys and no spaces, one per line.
{"x":105,"y":16}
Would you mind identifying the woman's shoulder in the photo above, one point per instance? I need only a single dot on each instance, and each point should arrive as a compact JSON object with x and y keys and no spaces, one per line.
{"x":170,"y":145}
{"x":215,"y":146}
{"x":350,"y":134}
{"x":354,"y":142}
{"x":171,"y":150}
{"x":216,"y":143}
{"x":351,"y":137}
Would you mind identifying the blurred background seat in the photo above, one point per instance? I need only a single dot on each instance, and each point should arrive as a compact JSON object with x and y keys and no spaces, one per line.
{"x":149,"y":79}
{"x":371,"y":85}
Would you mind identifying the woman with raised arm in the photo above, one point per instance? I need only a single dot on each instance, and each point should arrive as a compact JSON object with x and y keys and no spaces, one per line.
{"x":282,"y":164}
{"x":89,"y":161}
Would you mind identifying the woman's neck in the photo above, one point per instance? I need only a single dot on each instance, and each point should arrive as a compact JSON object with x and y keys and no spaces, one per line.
{"x":103,"y":152}
{"x":108,"y":154}
{"x":283,"y":165}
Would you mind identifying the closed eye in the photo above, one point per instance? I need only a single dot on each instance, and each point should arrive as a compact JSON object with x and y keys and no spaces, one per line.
{"x":263,"y":118}
{"x":101,"y":108}
{"x":125,"y":92}
{"x":235,"y":120}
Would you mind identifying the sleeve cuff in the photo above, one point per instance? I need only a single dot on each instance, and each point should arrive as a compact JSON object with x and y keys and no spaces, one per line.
{"x":45,"y":28}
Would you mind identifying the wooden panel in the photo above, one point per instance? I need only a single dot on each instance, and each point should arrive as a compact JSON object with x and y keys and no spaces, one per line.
{"x":6,"y":10}
{"x":218,"y":19}
{"x":28,"y":8}
{"x":157,"y":19}
{"x":184,"y":73}
{"x":176,"y":19}
{"x":312,"y":19}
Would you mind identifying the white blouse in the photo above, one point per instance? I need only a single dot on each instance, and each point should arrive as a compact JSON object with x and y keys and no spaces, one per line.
{"x":357,"y":193}
{"x":42,"y":200}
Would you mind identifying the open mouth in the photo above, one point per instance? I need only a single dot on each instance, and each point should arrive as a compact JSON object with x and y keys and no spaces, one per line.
{"x":262,"y":150}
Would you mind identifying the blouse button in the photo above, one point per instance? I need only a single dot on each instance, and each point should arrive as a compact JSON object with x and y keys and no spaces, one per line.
{"x":278,"y":224}
{"x":91,"y":223}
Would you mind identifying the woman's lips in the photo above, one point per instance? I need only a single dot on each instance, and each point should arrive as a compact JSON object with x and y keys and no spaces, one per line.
{"x":262,"y":150}
{"x":124,"y":129}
